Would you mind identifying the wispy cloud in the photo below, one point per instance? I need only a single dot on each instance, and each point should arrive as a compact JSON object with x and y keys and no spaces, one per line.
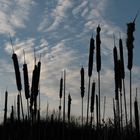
{"x":14,"y":14}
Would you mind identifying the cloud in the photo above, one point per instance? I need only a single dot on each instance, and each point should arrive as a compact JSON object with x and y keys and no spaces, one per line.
{"x":58,"y":14}
{"x":14,"y":14}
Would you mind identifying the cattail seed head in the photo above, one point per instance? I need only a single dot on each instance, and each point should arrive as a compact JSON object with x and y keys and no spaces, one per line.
{"x":61,"y":88}
{"x":26,"y":81}
{"x":121,"y":59}
{"x":17,"y":72}
{"x":98,"y":53}
{"x":82,"y":82}
{"x":91,"y":52}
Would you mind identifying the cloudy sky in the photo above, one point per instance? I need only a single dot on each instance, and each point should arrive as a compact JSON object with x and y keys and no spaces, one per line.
{"x":60,"y":31}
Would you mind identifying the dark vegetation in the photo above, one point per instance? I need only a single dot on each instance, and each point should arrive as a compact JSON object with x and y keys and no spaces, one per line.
{"x":29,"y":126}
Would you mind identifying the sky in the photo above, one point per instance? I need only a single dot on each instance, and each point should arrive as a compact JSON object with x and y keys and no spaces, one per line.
{"x":60,"y":31}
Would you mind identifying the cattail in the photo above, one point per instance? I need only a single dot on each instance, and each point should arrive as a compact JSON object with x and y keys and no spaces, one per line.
{"x":17,"y":72}
{"x":98,"y":53}
{"x":5,"y":109}
{"x":34,"y":80}
{"x":16,"y":67}
{"x":69,"y":107}
{"x":129,"y":43}
{"x":121,"y":59}
{"x":82,"y":82}
{"x":90,"y":67}
{"x":92,"y":98}
{"x":116,"y":84}
{"x":116,"y":71}
{"x":130,"y":46}
{"x":98,"y":65}
{"x":38,"y":77}
{"x":26,"y":81}
{"x":82,"y":89}
{"x":119,"y":71}
{"x":64,"y":97}
{"x":92,"y":102}
{"x":61,"y":88}
{"x":123,"y":74}
{"x":60,"y":95}
{"x":91,"y":52}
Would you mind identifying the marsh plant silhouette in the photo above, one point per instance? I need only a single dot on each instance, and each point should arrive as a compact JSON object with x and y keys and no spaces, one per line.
{"x":65,"y":127}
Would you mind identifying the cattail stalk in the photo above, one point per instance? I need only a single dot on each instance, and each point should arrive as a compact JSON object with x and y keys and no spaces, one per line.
{"x":26,"y":83}
{"x":98,"y":63}
{"x":130,"y":46}
{"x":90,"y":67}
{"x":5,"y":109}
{"x":60,"y":95}
{"x":82,"y":89}
{"x":17,"y":75}
{"x":64,"y":97}
{"x":116,"y":84}
{"x":123,"y":77}
{"x":120,"y":90}
{"x":92,"y":103}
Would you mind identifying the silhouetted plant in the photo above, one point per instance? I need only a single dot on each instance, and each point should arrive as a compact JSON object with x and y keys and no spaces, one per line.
{"x":82,"y":89}
{"x":90,"y":67}
{"x":98,"y":65}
